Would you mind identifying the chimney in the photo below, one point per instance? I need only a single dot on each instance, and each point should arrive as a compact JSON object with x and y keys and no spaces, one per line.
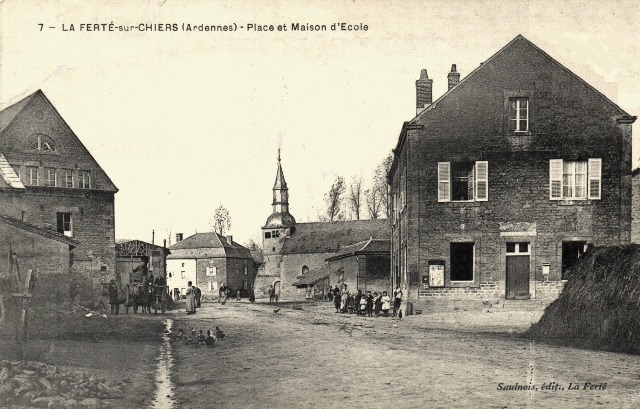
{"x":179,"y":237}
{"x":230,"y":239}
{"x":424,"y":88}
{"x":453,"y":77}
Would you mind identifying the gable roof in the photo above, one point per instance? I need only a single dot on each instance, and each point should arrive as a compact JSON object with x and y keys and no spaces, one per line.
{"x":519,"y":39}
{"x":54,"y":235}
{"x":207,"y":245}
{"x":9,"y":114}
{"x":371,"y":246}
{"x":329,"y":237}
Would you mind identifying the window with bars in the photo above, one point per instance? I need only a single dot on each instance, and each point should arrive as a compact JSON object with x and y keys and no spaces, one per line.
{"x":463,"y":181}
{"x":575,"y":180}
{"x":519,"y":114}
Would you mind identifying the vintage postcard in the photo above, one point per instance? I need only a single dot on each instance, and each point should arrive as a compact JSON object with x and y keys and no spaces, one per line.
{"x":306,"y":204}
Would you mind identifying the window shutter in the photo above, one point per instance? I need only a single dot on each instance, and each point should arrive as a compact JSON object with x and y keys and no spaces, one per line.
{"x":444,"y":182}
{"x":482,"y":181}
{"x":595,"y":177}
{"x":555,"y":179}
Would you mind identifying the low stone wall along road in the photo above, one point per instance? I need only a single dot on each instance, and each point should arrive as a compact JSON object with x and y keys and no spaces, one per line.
{"x":315,"y":358}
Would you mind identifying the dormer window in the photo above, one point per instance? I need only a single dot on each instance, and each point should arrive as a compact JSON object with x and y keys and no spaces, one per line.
{"x":42,"y":143}
{"x":519,"y":114}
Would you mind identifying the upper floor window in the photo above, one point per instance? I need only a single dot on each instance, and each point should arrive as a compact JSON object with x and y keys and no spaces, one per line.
{"x":245,"y":270}
{"x":64,"y":224}
{"x":267,"y":235}
{"x":52,"y":179}
{"x":575,"y":180}
{"x":212,"y":271}
{"x":463,"y":181}
{"x":519,"y":114}
{"x":32,"y":175}
{"x":84,"y":179}
{"x":67,"y":178}
{"x":42,"y":143}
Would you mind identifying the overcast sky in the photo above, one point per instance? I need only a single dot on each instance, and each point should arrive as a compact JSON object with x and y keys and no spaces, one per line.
{"x":183,"y":121}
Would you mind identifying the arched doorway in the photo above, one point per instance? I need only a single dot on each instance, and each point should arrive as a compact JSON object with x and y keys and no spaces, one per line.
{"x":276,"y":290}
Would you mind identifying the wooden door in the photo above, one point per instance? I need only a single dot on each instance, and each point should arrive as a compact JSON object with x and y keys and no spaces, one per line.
{"x":517,"y":277}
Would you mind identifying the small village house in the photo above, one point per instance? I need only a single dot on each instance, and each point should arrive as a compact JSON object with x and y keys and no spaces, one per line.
{"x":210,"y":260}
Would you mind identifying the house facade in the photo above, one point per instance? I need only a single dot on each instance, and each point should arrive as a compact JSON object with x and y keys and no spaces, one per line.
{"x":499,"y":185}
{"x":295,"y":254}
{"x":209,"y":261}
{"x":50,"y":180}
{"x":45,"y":252}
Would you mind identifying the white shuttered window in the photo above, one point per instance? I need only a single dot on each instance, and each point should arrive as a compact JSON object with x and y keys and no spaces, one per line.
{"x":595,"y":176}
{"x":575,"y":180}
{"x":444,"y":182}
{"x":464,"y":182}
{"x":482,"y":181}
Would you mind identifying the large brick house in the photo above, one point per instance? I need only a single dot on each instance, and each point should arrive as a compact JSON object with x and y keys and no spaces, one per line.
{"x":500,"y":184}
{"x":50,"y":180}
{"x":296,"y":254}
{"x":210,"y":260}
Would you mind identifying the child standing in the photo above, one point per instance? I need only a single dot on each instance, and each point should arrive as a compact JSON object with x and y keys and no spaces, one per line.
{"x":377,"y":303}
{"x":369,"y":304}
{"x":386,"y":303}
{"x":363,"y":306}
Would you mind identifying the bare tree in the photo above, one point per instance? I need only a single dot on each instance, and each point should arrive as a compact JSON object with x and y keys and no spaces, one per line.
{"x":373,"y":200}
{"x":381,"y":185}
{"x":355,"y":196}
{"x":252,"y":245}
{"x":333,"y":201}
{"x":221,"y":221}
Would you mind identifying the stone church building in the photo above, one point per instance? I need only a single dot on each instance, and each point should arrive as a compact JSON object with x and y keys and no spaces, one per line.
{"x":296,"y":254}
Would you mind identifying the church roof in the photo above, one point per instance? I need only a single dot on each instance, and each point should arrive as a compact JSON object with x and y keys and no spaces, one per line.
{"x":330,"y":237}
{"x":280,"y":183}
{"x":207,"y":245}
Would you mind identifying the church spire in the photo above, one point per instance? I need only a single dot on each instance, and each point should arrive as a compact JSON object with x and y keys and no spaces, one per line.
{"x":280,"y":216}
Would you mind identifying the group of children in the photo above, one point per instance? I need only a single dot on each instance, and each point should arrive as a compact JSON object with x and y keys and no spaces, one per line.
{"x":359,"y":303}
{"x":199,"y":338}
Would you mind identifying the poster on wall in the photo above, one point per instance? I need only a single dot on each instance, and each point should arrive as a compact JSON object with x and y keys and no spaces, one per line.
{"x":436,"y":274}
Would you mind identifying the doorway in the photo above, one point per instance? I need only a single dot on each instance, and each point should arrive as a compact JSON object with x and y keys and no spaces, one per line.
{"x":517,"y":271}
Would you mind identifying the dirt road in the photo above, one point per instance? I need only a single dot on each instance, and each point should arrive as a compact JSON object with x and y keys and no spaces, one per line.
{"x":319,"y":359}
